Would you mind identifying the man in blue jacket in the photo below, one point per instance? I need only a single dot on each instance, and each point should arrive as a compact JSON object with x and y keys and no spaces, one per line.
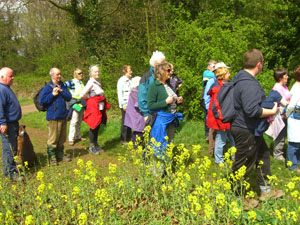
{"x":10,"y":114}
{"x":156,"y":58}
{"x":252,"y":150}
{"x":54,"y":96}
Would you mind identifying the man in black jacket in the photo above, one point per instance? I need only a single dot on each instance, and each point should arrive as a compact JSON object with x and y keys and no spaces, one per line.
{"x":252,"y":150}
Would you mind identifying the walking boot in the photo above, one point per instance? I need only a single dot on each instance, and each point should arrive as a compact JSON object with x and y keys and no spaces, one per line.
{"x":60,"y":155}
{"x":51,"y":156}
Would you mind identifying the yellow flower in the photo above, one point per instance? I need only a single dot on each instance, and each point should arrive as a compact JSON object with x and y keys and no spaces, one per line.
{"x":29,"y":220}
{"x":294,"y":216}
{"x":50,"y":186}
{"x":208,"y":210}
{"x":82,"y":219}
{"x":290,"y":186}
{"x":9,"y":217}
{"x":26,"y":164}
{"x":277,"y":214}
{"x":289,"y":163}
{"x":112,"y":168}
{"x":220,"y":200}
{"x":234,"y":210}
{"x":80,"y":163}
{"x":40,"y":176}
{"x":76,"y":190}
{"x":13,"y":187}
{"x":41,"y":188}
{"x":252,"y":215}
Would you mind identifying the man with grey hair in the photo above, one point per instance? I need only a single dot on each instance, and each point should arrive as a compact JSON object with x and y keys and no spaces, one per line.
{"x":156,"y":58}
{"x":10,"y":114}
{"x":54,"y":95}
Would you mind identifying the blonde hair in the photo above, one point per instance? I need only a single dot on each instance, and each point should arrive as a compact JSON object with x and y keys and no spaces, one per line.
{"x":221,"y":73}
{"x":161,"y":69}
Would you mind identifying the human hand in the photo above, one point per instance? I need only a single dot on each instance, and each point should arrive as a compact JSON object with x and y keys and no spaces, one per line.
{"x":124,"y":108}
{"x":169,"y":100}
{"x":56,"y":91}
{"x":3,"y":129}
{"x":145,"y":118}
{"x":179,"y":100}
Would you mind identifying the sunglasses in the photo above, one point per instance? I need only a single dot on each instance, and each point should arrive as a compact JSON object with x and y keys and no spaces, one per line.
{"x":80,"y":73}
{"x":169,"y":70}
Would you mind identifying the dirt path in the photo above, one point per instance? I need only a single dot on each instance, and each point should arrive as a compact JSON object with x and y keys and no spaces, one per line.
{"x":79,"y":150}
{"x":28,"y":109}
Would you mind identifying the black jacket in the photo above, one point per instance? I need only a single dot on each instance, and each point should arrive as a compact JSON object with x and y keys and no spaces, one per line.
{"x":248,"y":96}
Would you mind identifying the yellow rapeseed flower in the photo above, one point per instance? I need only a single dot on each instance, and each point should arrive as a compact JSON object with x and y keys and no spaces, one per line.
{"x":252,"y":216}
{"x":82,"y":219}
{"x":235,"y":210}
{"x":41,"y":188}
{"x":29,"y":220}
{"x":289,"y":163}
{"x":40,"y":176}
{"x":80,"y":163}
{"x":112,"y":168}
{"x":278,"y":214}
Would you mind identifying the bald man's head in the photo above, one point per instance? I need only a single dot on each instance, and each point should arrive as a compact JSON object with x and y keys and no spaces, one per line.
{"x":6,"y":76}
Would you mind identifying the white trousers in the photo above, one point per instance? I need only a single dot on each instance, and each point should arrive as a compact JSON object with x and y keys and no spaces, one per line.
{"x":74,"y":131}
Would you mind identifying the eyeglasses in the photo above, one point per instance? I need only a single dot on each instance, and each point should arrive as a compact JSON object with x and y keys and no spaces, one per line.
{"x":80,"y":73}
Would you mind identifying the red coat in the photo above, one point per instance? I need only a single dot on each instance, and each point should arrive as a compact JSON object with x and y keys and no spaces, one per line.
{"x":212,"y":122}
{"x":92,"y":115}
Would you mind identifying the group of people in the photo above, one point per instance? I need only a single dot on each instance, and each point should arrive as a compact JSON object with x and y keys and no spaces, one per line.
{"x":255,"y":114}
{"x":156,"y":92}
{"x":153,"y":99}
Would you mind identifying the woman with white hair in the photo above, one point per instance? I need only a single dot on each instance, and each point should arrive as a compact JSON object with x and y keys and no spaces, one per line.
{"x":95,"y":113}
{"x":156,"y":58}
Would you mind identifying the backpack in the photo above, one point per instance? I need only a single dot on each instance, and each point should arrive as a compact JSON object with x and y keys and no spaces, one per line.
{"x":223,"y":106}
{"x":36,"y":100}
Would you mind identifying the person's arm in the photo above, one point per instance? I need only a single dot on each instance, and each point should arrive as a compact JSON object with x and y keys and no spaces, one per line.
{"x":269,"y":112}
{"x":142,"y":99}
{"x":206,"y":97}
{"x":153,"y":104}
{"x":47,"y":96}
{"x":120,"y":92}
{"x":86,"y":89}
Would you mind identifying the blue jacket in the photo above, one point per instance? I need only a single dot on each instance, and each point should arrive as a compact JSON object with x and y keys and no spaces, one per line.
{"x":145,"y":81}
{"x":263,"y":124}
{"x":10,"y":109}
{"x":56,"y":104}
{"x":158,"y":130}
{"x":208,"y":86}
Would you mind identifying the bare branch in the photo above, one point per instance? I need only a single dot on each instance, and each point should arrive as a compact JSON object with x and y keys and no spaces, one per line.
{"x":107,"y":14}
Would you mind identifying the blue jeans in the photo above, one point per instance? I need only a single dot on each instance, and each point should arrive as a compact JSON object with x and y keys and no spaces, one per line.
{"x":9,"y":149}
{"x":221,"y":137}
{"x":293,"y":154}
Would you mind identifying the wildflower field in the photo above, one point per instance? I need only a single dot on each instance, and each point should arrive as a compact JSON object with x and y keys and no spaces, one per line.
{"x":119,"y":187}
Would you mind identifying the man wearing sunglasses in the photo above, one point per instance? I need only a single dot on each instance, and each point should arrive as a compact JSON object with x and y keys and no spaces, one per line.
{"x":76,"y":106}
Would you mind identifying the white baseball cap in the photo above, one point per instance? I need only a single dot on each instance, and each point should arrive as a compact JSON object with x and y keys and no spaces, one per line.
{"x":221,"y":64}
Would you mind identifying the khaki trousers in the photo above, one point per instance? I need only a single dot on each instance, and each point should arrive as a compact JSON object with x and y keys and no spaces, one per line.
{"x":57,"y":133}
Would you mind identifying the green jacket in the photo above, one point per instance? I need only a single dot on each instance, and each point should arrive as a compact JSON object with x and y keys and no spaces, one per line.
{"x":157,"y":96}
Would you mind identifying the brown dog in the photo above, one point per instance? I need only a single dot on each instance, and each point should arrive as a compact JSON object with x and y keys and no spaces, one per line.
{"x":25,"y":148}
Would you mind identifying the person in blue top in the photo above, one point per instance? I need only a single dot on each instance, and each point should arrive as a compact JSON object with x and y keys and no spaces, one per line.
{"x":207,"y":75}
{"x":10,"y":114}
{"x":156,"y":58}
{"x":54,"y":96}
